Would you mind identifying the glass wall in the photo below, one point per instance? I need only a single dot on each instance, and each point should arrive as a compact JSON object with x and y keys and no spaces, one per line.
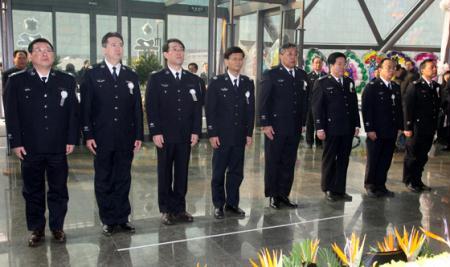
{"x":29,"y":25}
{"x":72,"y":40}
{"x":247,"y":41}
{"x":271,"y":39}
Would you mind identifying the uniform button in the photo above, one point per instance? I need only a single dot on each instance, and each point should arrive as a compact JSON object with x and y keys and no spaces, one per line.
{"x":46,"y":128}
{"x":115,"y":86}
{"x":235,"y":114}
{"x":178,"y":91}
{"x":345,"y":97}
{"x":45,"y":117}
{"x":235,"y":106}
{"x":178,"y":100}
{"x":179,"y":109}
{"x":45,"y":95}
{"x":116,"y":97}
{"x":116,"y":108}
{"x":115,"y":119}
{"x":235,"y":123}
{"x":45,"y":106}
{"x":346,"y":105}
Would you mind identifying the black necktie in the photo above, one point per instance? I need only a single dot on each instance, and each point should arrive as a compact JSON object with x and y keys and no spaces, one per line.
{"x":340,"y":82}
{"x":114,"y":73}
{"x":291,"y":72}
{"x":389,"y":86}
{"x":44,"y":79}
{"x":235,"y":86}
{"x":177,"y":76}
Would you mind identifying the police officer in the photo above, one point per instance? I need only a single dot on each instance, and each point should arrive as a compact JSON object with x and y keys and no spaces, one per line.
{"x":42,"y":121}
{"x":20,"y":63}
{"x":113,"y":128}
{"x":230,"y":112}
{"x":420,"y":108}
{"x":283,"y":101}
{"x":315,"y":74}
{"x":383,"y":119}
{"x":174,"y":110}
{"x":335,"y":110}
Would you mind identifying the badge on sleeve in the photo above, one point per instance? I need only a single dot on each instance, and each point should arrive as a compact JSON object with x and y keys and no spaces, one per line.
{"x":193,"y":93}
{"x":130,"y":86}
{"x":63,"y":97}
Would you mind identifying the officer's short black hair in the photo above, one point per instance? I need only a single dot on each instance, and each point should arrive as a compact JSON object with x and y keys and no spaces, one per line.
{"x":423,"y":64}
{"x":165,"y":47}
{"x":333,"y":56}
{"x":109,"y":35}
{"x":380,"y":65}
{"x":193,"y":64}
{"x":20,"y":51}
{"x":286,"y":46}
{"x":233,"y":50}
{"x":39,"y":40}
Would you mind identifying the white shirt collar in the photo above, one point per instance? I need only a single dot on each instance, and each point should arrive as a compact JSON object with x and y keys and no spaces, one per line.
{"x":180,"y":71}
{"x":288,"y":70}
{"x":428,"y":82}
{"x":110,"y":67}
{"x":232,"y":77}
{"x":338,"y":79}
{"x":385,"y":82}
{"x":46,"y":76}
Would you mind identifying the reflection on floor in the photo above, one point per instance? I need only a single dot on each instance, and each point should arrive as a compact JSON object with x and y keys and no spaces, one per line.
{"x":229,"y":242}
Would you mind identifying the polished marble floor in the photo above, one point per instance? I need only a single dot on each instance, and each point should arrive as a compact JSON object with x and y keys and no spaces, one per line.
{"x":228,"y":242}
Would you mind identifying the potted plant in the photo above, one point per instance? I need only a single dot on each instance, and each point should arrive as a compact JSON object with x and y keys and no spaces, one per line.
{"x":303,"y":254}
{"x":387,"y":251}
{"x":352,"y":254}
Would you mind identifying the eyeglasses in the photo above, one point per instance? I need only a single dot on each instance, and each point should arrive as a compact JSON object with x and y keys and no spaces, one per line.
{"x":43,"y":50}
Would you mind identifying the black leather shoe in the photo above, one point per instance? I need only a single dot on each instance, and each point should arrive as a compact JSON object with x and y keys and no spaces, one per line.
{"x":233,"y":209}
{"x":274,"y":203}
{"x":167,"y":219}
{"x":425,"y":187}
{"x":108,"y":229}
{"x":346,"y":197}
{"x":286,"y":201}
{"x":330,"y":196}
{"x":387,"y":193}
{"x":59,"y":236}
{"x":36,"y":237}
{"x":415,"y":189}
{"x":218,"y":213}
{"x":372,"y":193}
{"x":127,"y":227}
{"x":184,"y":217}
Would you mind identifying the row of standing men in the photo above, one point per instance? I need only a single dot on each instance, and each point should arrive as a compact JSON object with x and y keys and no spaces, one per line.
{"x":43,"y":115}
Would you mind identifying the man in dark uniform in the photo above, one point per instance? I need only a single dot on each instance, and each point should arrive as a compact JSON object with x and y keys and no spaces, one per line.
{"x":411,"y":75}
{"x":174,"y":110}
{"x":113,"y":129}
{"x":335,"y":109}
{"x":420,"y":109}
{"x":230,"y":112}
{"x":315,"y":74}
{"x":42,"y":121}
{"x":383,"y":119}
{"x":283,"y":106}
{"x":20,"y":63}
